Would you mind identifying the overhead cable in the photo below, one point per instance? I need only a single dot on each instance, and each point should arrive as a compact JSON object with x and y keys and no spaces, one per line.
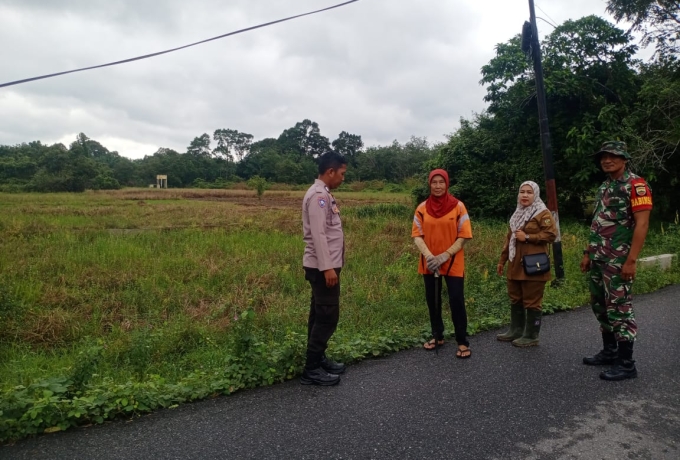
{"x":547,"y":15}
{"x":147,"y":56}
{"x":547,"y":22}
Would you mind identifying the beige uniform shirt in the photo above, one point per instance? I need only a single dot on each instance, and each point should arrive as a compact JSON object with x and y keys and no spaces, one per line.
{"x":542,"y":231}
{"x":322,"y":229}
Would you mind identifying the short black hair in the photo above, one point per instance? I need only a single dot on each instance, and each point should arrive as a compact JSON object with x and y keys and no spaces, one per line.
{"x":331,"y":160}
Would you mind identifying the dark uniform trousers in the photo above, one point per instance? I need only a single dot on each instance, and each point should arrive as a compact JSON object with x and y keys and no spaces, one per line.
{"x":324,"y":313}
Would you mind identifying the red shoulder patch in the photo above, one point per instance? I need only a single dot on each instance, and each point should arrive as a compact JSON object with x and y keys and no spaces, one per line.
{"x":641,"y":196}
{"x":640,"y":187}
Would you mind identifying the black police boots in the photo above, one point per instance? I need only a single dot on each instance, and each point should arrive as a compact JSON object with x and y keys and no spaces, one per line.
{"x":318,"y":371}
{"x":608,"y":354}
{"x":624,"y":365}
{"x":319,"y":376}
{"x":332,"y":367}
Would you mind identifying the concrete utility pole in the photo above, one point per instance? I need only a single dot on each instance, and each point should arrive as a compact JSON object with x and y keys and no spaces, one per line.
{"x":546,"y":146}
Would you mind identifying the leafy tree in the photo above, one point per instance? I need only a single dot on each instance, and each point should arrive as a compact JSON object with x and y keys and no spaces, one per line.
{"x":275,"y":166}
{"x":591,"y":85}
{"x":180,"y":170}
{"x":119,"y":170}
{"x":481,"y":171}
{"x":305,"y":139}
{"x":268,"y":143}
{"x":509,"y":66}
{"x":231,"y":144}
{"x":260,"y":161}
{"x":658,"y":20}
{"x":200,"y":146}
{"x":19,"y":164}
{"x":652,"y":131}
{"x":125,"y":171}
{"x":348,"y":145}
{"x":63,"y":170}
{"x":393,"y":163}
{"x":223,"y":139}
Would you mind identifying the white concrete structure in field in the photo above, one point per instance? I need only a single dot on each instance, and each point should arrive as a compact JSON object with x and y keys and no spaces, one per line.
{"x":662,"y":261}
{"x":161,"y":181}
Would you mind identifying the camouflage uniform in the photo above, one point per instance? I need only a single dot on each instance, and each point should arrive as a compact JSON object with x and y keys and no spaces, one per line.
{"x":611,"y":235}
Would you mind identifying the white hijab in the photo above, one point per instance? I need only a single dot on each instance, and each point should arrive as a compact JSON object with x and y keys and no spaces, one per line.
{"x":523,"y":213}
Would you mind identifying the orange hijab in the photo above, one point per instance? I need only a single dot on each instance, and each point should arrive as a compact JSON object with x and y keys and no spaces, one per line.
{"x":439,"y":206}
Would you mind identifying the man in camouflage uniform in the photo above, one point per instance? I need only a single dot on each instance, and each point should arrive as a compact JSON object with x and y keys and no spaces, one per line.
{"x":617,"y":234}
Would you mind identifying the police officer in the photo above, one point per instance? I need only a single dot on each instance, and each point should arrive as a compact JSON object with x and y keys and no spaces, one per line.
{"x":617,"y":234}
{"x":322,"y":261}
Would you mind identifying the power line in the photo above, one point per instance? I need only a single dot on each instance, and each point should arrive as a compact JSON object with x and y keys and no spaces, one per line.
{"x":146,"y":56}
{"x":547,"y":22}
{"x":548,"y":16}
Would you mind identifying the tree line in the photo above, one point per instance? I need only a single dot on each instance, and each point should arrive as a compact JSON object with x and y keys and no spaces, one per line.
{"x":228,"y":156}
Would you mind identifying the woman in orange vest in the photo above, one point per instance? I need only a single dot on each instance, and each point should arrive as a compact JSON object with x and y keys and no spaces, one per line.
{"x":532,"y":228}
{"x":441,"y":226}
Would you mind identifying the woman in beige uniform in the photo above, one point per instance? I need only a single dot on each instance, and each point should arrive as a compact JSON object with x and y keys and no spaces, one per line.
{"x":532,"y":228}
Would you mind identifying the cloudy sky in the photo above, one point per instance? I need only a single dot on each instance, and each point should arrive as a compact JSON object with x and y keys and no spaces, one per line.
{"x":384,"y":69}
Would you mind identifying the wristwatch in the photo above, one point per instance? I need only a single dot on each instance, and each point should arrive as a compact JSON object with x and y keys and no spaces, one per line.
{"x":526,"y":238}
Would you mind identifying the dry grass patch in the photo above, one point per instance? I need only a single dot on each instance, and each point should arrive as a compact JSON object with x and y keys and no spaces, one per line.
{"x":55,"y":327}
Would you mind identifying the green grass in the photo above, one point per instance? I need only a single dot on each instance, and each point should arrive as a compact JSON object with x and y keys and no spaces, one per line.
{"x":179,"y":295}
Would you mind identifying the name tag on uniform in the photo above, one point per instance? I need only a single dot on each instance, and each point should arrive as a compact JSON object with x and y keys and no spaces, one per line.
{"x":334,"y":206}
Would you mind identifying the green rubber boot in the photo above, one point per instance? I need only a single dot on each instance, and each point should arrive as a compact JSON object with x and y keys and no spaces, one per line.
{"x":531,"y":330}
{"x":516,"y":324}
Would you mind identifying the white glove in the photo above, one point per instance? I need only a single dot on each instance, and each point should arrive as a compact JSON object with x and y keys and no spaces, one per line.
{"x":431,"y":262}
{"x":442,"y":258}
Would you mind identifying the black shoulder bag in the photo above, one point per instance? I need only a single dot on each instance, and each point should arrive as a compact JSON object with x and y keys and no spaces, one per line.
{"x":535,"y":264}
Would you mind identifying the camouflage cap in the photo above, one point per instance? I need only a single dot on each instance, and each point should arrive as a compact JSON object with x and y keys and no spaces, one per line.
{"x":615,"y":148}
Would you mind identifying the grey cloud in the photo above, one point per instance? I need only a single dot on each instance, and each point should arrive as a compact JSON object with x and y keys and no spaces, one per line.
{"x":380,"y":68}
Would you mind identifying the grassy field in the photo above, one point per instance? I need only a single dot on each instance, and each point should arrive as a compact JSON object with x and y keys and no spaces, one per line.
{"x":115,"y":303}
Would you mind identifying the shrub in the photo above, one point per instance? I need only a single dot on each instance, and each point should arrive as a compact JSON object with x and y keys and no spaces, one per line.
{"x":105,"y":182}
{"x":259,"y":184}
{"x":357,"y":186}
{"x":381,"y":210}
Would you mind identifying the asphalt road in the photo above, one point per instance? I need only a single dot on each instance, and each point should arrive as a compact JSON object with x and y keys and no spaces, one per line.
{"x":503,"y":403}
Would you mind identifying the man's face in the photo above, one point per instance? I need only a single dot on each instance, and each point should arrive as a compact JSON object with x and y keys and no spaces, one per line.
{"x":611,"y":164}
{"x":336,"y":176}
